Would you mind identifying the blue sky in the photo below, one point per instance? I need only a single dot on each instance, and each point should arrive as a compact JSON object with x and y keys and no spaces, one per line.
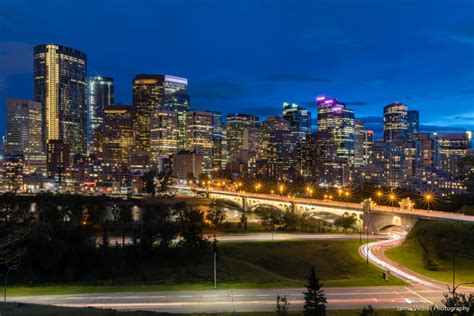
{"x":250,"y":56}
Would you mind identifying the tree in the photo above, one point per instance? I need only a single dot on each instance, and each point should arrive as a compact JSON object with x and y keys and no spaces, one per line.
{"x":368,"y":311}
{"x":15,"y":226}
{"x":282,"y":305}
{"x":457,"y":303}
{"x":148,"y":179}
{"x":190,"y":225}
{"x":270,"y":216}
{"x":314,"y":297}
{"x":291,"y":219}
{"x":346,"y":221}
{"x":164,"y":183}
{"x":215,"y":215}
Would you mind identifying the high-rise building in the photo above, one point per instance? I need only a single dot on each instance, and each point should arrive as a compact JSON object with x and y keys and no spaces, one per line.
{"x":413,"y":122}
{"x":177,"y":99}
{"x":101,"y":95}
{"x":60,"y":86}
{"x":337,"y":122}
{"x":199,"y":136}
{"x":395,"y":118}
{"x":277,"y":147}
{"x":148,"y":94}
{"x":58,"y":159}
{"x":360,"y":135}
{"x":299,"y":118}
{"x":25,"y":134}
{"x":164,"y":134}
{"x":453,"y":147}
{"x":237,"y":132}
{"x":158,"y":92}
{"x":117,"y":139}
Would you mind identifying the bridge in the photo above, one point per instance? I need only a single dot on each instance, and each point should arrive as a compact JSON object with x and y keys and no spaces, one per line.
{"x":375,"y":217}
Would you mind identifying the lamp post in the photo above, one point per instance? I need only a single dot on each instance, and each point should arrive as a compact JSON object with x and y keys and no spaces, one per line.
{"x":428,"y":197}
{"x":392,"y":198}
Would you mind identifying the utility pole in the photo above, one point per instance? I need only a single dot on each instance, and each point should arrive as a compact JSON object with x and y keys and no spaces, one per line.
{"x":215,"y":270}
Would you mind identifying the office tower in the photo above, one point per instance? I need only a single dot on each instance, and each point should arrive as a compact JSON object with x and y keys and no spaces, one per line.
{"x":117,"y":136}
{"x":177,"y":99}
{"x":237,"y":132}
{"x":187,"y":164}
{"x":413,"y":122}
{"x":359,"y":142}
{"x":299,"y":118}
{"x":57,"y":160}
{"x":199,"y":136}
{"x":164,"y":134}
{"x":336,"y":123}
{"x":101,"y":95}
{"x":395,"y":118}
{"x":277,"y":147}
{"x":60,"y":86}
{"x":11,"y":172}
{"x":453,"y":147}
{"x":148,"y":93}
{"x":367,"y":147}
{"x":219,"y":143}
{"x":25,"y":134}
{"x":427,"y":150}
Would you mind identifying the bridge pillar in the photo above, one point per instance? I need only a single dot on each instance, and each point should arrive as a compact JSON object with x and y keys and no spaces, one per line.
{"x":244,"y":204}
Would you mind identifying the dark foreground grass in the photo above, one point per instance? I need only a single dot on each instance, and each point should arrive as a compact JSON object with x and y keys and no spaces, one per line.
{"x":248,"y":265}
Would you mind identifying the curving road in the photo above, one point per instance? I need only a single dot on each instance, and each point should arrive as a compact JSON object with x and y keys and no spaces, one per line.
{"x":422,"y":292}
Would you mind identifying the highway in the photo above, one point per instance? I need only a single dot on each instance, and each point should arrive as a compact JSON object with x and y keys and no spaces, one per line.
{"x":421,"y":291}
{"x":243,"y":300}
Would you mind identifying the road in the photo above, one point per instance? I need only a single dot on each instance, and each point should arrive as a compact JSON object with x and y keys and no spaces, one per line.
{"x":242,"y":300}
{"x":420,"y":292}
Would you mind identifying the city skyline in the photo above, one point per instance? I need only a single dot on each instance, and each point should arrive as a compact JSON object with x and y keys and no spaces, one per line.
{"x":334,"y":58}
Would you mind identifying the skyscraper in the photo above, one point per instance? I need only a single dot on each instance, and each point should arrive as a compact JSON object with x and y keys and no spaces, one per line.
{"x":158,"y":92}
{"x":395,"y":118}
{"x":25,"y":133}
{"x":101,"y":95}
{"x":237,"y":133}
{"x":148,"y":93}
{"x":299,"y":118}
{"x":164,"y":134}
{"x":337,"y":122}
{"x":60,"y":86}
{"x":199,"y":136}
{"x":117,"y":136}
{"x":413,"y":122}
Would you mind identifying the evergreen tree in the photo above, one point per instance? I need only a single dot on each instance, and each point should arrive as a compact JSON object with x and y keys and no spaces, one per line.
{"x":314,"y":298}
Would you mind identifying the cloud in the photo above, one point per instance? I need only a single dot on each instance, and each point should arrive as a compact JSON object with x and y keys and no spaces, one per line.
{"x":295,"y":77}
{"x":463,"y":34}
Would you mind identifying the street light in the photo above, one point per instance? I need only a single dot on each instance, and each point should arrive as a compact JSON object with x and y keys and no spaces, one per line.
{"x":379,"y":195}
{"x":347,"y":194}
{"x":281,"y":188}
{"x":257,"y":187}
{"x":428,"y":198}
{"x":392,"y":198}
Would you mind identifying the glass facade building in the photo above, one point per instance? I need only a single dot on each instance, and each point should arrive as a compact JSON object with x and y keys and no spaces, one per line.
{"x":101,"y":95}
{"x":60,"y":86}
{"x":395,"y":121}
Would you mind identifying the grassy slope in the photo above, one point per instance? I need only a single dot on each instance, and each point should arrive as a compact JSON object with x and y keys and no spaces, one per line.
{"x":432,"y":234}
{"x":252,"y":265}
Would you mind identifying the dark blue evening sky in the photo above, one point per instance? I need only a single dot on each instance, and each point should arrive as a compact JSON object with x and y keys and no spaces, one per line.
{"x":250,"y":56}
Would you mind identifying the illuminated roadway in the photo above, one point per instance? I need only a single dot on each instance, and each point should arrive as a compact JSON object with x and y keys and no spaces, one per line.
{"x":420,"y":213}
{"x":420,"y":292}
